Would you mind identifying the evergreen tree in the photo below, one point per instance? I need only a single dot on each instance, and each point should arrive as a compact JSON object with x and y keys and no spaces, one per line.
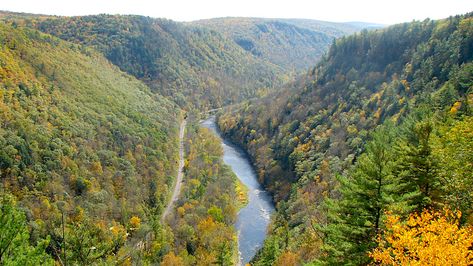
{"x":453,"y":151}
{"x":366,"y":194}
{"x":415,"y":164}
{"x":224,"y":254}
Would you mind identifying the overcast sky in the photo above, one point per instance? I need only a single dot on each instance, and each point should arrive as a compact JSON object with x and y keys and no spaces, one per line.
{"x":377,"y":11}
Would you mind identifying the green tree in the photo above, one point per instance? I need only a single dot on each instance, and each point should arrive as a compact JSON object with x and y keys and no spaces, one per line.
{"x":224,"y":254}
{"x":15,"y":248}
{"x":269,"y":253}
{"x":453,"y":150}
{"x":88,"y":243}
{"x":415,"y":164}
{"x":216,"y":213}
{"x":366,"y":193}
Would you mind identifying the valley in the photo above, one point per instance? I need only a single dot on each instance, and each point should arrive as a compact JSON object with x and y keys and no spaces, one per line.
{"x":132,"y":140}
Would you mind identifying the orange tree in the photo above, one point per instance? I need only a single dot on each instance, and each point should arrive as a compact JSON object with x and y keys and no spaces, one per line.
{"x":429,"y":238}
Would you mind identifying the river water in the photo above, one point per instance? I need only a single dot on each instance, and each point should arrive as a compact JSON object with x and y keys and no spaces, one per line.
{"x":253,"y":219}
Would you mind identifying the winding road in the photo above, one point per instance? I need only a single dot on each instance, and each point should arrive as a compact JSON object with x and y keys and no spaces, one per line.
{"x":177,"y":187}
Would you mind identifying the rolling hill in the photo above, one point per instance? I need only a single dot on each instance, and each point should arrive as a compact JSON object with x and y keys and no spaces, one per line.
{"x":203,"y":64}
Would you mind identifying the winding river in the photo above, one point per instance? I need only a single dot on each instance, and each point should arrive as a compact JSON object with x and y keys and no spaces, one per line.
{"x":253,"y":219}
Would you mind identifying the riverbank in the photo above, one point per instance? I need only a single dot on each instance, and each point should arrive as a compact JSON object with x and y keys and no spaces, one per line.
{"x":253,"y":219}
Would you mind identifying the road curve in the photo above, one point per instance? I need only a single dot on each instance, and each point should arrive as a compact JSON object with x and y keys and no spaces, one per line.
{"x":177,"y":187}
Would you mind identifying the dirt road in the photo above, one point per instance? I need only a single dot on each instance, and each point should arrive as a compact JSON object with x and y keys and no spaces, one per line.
{"x":177,"y":187}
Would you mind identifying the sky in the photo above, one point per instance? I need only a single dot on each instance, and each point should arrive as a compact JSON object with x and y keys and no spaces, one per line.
{"x":375,"y":11}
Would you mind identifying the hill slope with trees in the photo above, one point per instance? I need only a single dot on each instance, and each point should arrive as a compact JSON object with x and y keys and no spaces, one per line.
{"x":196,"y":67}
{"x":204,"y":64}
{"x":376,"y":136}
{"x":292,"y":44}
{"x":80,"y":142}
{"x":381,"y":124}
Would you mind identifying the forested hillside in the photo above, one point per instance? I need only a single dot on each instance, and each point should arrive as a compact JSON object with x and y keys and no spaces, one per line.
{"x":368,"y":155}
{"x":88,"y":151}
{"x":195,"y":67}
{"x":294,"y":45}
{"x":382,"y":125}
{"x":203,"y":64}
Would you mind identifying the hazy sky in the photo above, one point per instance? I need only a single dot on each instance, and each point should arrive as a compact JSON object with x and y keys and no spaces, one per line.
{"x":379,"y":11}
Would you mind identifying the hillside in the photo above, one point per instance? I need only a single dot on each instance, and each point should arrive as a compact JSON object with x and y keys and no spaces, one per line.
{"x":203,"y":64}
{"x":195,"y":67}
{"x":314,"y":143}
{"x":80,"y":138}
{"x":368,"y":155}
{"x":292,"y":44}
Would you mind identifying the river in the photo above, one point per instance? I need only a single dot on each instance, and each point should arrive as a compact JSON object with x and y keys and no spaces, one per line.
{"x":253,"y":220}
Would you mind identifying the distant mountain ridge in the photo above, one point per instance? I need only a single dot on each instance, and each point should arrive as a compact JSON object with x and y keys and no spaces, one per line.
{"x":366,"y":25}
{"x":197,"y":68}
{"x":202,"y":64}
{"x":293,"y":44}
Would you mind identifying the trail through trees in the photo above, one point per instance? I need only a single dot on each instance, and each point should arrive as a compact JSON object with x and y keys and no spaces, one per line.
{"x":177,"y":188}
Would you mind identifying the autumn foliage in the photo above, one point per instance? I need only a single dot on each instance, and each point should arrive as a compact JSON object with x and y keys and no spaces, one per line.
{"x":429,"y":238}
{"x":172,"y":260}
{"x":135,"y":222}
{"x":207,"y":208}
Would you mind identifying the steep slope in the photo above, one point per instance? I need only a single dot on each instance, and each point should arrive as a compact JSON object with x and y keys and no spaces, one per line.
{"x":196,"y":67}
{"x":293,"y":44}
{"x":301,"y":137}
{"x":79,"y":137}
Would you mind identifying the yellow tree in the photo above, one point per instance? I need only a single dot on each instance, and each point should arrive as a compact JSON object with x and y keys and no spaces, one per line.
{"x":288,"y":258}
{"x":172,"y":260}
{"x":429,"y":238}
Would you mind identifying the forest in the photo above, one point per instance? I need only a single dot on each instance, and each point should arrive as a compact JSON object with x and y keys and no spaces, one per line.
{"x":364,"y":141}
{"x":362,"y":137}
{"x":197,"y":68}
{"x":290,"y":44}
{"x":77,"y":137}
{"x":195,"y":64}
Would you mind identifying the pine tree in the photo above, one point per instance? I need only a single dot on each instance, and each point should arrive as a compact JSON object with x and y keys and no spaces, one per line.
{"x":354,"y":220}
{"x":415,"y":164}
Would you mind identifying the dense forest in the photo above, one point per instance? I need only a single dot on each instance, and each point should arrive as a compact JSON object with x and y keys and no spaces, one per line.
{"x":293,"y":45}
{"x":363,"y":140}
{"x":81,"y":140}
{"x":195,"y":67}
{"x":196,"y":64}
{"x":379,"y":130}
